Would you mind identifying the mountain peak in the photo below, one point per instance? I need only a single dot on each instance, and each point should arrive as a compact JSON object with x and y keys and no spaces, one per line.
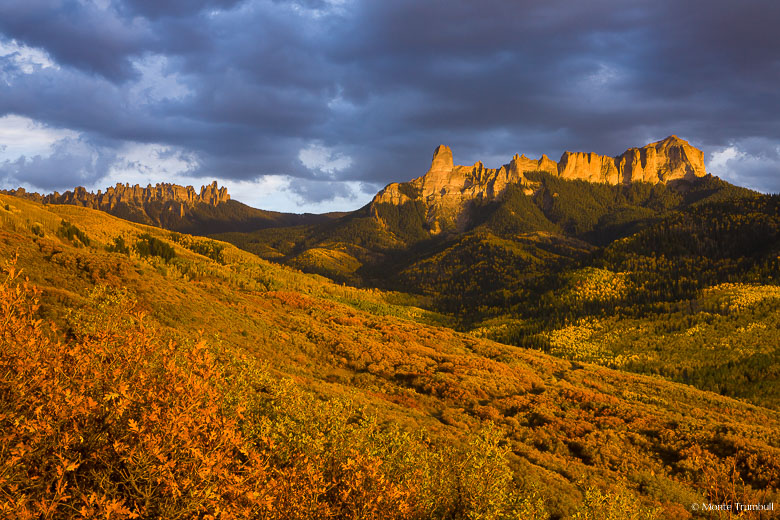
{"x":662,"y":161}
{"x":442,"y":159}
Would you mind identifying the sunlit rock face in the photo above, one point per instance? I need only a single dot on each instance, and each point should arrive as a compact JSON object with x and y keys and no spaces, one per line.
{"x":447,"y":190}
{"x":663,"y":161}
{"x":590,"y":167}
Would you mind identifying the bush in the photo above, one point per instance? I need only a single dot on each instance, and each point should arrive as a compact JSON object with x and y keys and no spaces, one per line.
{"x":37,"y":229}
{"x":148,"y":245}
{"x":116,"y":424}
{"x":70,"y":232}
{"x":616,"y":505}
{"x":119,"y":246}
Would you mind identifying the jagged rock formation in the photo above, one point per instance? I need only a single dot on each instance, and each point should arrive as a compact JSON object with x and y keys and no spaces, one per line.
{"x":447,"y":189}
{"x":122,"y":198}
{"x":177,"y":197}
{"x":135,"y":195}
{"x":662,"y":161}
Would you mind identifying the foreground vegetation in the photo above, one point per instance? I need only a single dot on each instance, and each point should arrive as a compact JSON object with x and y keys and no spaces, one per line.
{"x":209,"y":382}
{"x":116,"y":422}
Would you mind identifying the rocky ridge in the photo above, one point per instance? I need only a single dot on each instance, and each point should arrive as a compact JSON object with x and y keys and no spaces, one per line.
{"x":173,"y":197}
{"x":447,"y":188}
{"x":178,"y":208}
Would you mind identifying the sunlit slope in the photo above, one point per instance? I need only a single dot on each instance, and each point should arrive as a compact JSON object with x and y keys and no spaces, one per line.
{"x":569,"y":424}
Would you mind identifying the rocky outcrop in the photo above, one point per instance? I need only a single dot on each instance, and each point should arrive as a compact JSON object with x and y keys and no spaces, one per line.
{"x":447,"y":190}
{"x":138,"y":196}
{"x":442,"y":159}
{"x":662,"y":161}
{"x":208,"y":211}
{"x":589,"y":167}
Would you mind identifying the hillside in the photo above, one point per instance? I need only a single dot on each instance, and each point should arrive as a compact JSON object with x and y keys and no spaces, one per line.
{"x":329,"y":400}
{"x":633,"y":275}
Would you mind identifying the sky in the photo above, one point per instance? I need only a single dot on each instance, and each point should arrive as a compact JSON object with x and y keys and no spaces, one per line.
{"x":315,"y":105}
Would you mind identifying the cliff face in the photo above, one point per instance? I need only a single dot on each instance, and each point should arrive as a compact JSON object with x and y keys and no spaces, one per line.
{"x":447,"y":190}
{"x":589,"y":167}
{"x":662,"y":161}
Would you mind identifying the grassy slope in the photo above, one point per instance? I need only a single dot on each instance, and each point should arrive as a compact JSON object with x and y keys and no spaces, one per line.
{"x":566,"y":422}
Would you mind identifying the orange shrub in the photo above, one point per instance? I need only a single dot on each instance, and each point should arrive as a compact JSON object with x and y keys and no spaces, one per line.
{"x":116,"y":425}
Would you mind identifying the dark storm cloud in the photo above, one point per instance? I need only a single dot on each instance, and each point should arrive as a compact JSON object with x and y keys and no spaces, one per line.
{"x":156,"y":8}
{"x":78,"y":34}
{"x":81,"y":162}
{"x":383,"y":83}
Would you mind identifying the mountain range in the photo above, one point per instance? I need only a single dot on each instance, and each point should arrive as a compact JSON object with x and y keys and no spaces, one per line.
{"x":581,"y":202}
{"x":447,"y":190}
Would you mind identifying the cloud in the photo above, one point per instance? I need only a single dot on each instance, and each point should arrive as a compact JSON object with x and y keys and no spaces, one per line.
{"x":324,"y":195}
{"x":23,"y":136}
{"x":319,"y":158}
{"x":335,"y":93}
{"x":157,"y":82}
{"x":24,"y":59}
{"x":751,"y":162}
{"x":79,"y":34}
{"x":71,"y":158}
{"x":154,"y":9}
{"x":143,"y":164}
